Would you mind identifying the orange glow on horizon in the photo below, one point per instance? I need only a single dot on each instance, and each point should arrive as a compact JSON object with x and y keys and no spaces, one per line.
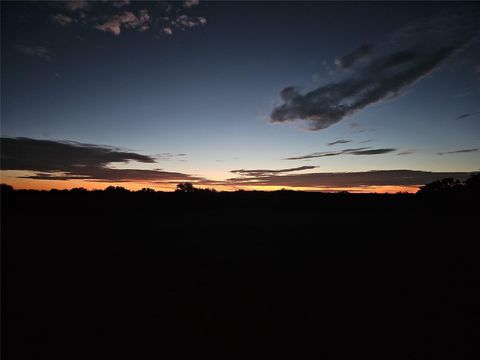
{"x":33,"y":184}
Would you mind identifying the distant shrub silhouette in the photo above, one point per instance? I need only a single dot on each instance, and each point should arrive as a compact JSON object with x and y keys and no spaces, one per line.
{"x":116,"y":189}
{"x":146,"y":190}
{"x":78,"y":190}
{"x":4,"y":188}
{"x":187,"y":187}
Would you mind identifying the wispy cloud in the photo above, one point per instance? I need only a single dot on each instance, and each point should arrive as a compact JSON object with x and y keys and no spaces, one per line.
{"x":169,"y":156}
{"x":406,"y":152}
{"x":462,"y":151}
{"x":463,"y":116}
{"x":355,"y":151}
{"x":407,"y":56}
{"x":120,"y":3}
{"x":35,"y":51}
{"x":62,"y":20}
{"x":76,"y":5}
{"x":265,"y":172}
{"x":338,"y":142}
{"x":185,"y":21}
{"x":190,"y":3}
{"x":66,"y":160}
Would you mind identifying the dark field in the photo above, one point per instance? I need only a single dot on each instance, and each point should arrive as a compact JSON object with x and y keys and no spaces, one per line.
{"x":98,"y":275}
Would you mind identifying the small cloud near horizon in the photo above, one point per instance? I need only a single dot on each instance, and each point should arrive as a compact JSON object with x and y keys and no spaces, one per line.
{"x":462,"y":151}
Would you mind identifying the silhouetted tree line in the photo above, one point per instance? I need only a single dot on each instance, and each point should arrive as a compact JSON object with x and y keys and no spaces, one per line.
{"x":451,"y":186}
{"x":181,"y":188}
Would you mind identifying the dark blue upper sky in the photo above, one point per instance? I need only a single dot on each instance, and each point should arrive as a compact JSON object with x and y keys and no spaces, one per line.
{"x":398,"y":80}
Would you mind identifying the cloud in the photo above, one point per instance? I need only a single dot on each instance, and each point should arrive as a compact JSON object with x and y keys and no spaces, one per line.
{"x":120,"y":3}
{"x":185,"y":21}
{"x":38,"y":51}
{"x":407,"y":56}
{"x":372,"y":152}
{"x":165,"y":18}
{"x":463,"y":116}
{"x":355,"y":151}
{"x":339,"y":142}
{"x":190,"y":3}
{"x":169,"y":156}
{"x":270,"y":172}
{"x":127,"y":20}
{"x":348,"y":60}
{"x":66,"y":160}
{"x":62,"y":20}
{"x":459,"y":151}
{"x":167,"y":30}
{"x":76,"y":5}
{"x":406,"y":152}
{"x":349,"y":179}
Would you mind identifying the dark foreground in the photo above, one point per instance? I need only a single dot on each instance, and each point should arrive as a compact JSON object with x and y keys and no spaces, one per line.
{"x":108,"y":276}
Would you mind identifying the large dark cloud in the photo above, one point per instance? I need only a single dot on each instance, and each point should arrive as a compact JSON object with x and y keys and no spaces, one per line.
{"x":406,"y":57}
{"x":259,"y":172}
{"x":356,"y":55}
{"x":66,"y":160}
{"x":349,"y":179}
{"x":354,"y":151}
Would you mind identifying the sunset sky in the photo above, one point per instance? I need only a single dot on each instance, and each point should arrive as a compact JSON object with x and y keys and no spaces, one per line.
{"x":258,"y":95}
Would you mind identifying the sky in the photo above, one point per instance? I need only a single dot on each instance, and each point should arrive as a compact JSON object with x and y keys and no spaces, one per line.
{"x":364,"y":96}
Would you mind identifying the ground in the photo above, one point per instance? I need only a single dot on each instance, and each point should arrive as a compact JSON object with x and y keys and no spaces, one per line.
{"x":97,"y":275}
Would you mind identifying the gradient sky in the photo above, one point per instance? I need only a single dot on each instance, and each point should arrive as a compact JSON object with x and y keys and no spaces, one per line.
{"x":205,"y":88}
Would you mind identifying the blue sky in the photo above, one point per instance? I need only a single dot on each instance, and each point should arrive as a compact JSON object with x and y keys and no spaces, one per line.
{"x":110,"y":73}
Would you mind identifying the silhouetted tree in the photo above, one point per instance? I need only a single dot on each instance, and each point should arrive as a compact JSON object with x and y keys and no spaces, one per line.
{"x":473,"y":183}
{"x":116,"y":189}
{"x":185,"y":188}
{"x":447,"y":185}
{"x":78,"y":190}
{"x":146,"y":190}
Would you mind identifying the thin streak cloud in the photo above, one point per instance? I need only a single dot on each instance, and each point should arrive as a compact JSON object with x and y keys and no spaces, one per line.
{"x":355,"y":151}
{"x":462,"y":151}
